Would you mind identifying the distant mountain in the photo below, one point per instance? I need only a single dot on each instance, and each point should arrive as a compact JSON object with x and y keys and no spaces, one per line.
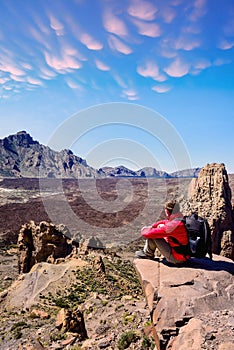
{"x":21,"y":156}
{"x":186,"y":173}
{"x":118,"y":171}
{"x":152,"y":172}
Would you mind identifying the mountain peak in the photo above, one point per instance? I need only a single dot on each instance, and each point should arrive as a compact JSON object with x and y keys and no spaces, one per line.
{"x":21,"y":138}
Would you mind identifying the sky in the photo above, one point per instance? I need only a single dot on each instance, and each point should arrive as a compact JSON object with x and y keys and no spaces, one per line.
{"x":117,"y":81}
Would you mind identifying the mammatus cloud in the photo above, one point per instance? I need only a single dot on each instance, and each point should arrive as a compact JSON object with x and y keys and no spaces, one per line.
{"x":177,"y":68}
{"x":90,"y":42}
{"x":142,"y":10}
{"x":150,"y":70}
{"x":11,"y":68}
{"x":148,"y":29}
{"x":186,"y":43}
{"x":73,"y":85}
{"x":226,"y":44}
{"x":161,"y":88}
{"x":34,"y":81}
{"x":17,"y":78}
{"x":47,"y":74}
{"x":130,"y":94}
{"x":198,"y":11}
{"x":62,"y":63}
{"x":168,"y":14}
{"x":118,"y":45}
{"x":56,"y":25}
{"x":3,"y":80}
{"x":102,"y":66}
{"x":199,"y":66}
{"x":114,"y":25}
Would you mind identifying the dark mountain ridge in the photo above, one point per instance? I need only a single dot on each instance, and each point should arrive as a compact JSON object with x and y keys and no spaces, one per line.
{"x":21,"y":156}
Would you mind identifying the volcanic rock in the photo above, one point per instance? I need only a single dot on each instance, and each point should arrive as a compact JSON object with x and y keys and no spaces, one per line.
{"x":185,"y":301}
{"x":44,"y":242}
{"x":210,"y":196}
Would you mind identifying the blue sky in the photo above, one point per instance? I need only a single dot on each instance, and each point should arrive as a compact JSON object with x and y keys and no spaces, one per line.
{"x":175,"y":57}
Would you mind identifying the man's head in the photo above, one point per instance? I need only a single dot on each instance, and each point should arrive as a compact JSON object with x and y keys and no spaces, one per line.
{"x":172,"y":207}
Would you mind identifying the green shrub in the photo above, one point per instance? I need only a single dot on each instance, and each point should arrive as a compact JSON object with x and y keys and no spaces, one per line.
{"x":126,"y":339}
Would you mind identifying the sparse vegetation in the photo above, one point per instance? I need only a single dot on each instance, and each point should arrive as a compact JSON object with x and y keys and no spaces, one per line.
{"x":126,"y":339}
{"x":120,"y":279}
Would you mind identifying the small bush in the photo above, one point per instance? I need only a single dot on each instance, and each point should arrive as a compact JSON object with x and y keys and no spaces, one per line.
{"x":126,"y":339}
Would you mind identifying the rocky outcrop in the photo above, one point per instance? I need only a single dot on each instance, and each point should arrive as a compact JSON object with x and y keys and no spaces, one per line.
{"x":44,"y":242}
{"x":192,"y":307}
{"x":72,"y":321}
{"x":210,"y":196}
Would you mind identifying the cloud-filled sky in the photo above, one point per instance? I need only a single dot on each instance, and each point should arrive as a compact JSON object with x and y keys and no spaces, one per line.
{"x":175,"y":57}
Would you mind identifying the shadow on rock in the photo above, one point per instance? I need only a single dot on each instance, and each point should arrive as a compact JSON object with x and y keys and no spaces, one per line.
{"x":205,"y":264}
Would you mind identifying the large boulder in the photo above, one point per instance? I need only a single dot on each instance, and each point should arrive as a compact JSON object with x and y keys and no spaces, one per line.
{"x":210,"y":196}
{"x":187,"y":303}
{"x":42,"y":243}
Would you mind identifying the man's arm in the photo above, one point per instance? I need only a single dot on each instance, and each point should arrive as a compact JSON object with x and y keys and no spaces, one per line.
{"x":151,"y":232}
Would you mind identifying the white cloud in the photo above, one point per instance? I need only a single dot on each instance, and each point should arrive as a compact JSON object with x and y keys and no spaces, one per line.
{"x":3,"y":80}
{"x":168,"y":14}
{"x":161,"y":88}
{"x":18,"y":78}
{"x":186,"y":43}
{"x":117,"y":45}
{"x":177,"y":68}
{"x":47,"y":73}
{"x":34,"y":81}
{"x":73,"y":85}
{"x":10,"y":67}
{"x":90,"y":42}
{"x":148,"y":29}
{"x":130,"y":94}
{"x":26,"y":65}
{"x":56,"y":25}
{"x":150,"y":70}
{"x":114,"y":24}
{"x":102,"y":66}
{"x":199,"y":10}
{"x":225,"y":44}
{"x":142,"y":10}
{"x":62,"y":64}
{"x":202,"y":64}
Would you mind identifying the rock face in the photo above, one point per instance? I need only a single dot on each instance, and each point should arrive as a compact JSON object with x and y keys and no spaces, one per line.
{"x":210,"y":196}
{"x":44,"y":242}
{"x":20,"y":156}
{"x":72,"y":321}
{"x":192,"y":307}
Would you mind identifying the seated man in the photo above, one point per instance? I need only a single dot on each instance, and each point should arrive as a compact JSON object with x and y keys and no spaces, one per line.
{"x":166,"y":235}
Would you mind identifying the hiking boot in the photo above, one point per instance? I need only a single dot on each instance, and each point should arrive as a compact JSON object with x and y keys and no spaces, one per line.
{"x":140,"y":254}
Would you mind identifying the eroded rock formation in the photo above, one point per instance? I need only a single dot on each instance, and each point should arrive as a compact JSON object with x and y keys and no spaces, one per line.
{"x":192,"y":307}
{"x":210,"y":196}
{"x":72,"y":321}
{"x":44,"y":242}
